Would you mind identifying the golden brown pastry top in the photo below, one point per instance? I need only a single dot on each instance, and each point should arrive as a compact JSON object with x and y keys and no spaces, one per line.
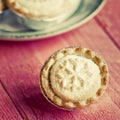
{"x":74,"y":77}
{"x":38,"y":9}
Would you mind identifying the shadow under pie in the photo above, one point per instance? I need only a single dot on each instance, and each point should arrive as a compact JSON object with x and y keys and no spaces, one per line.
{"x":74,"y":77}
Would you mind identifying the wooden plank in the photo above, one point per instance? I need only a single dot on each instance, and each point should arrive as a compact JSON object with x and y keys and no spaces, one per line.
{"x":109,"y":19}
{"x":7,"y":108}
{"x":97,"y":41}
{"x":83,"y":36}
{"x":20,"y":65}
{"x":13,"y":78}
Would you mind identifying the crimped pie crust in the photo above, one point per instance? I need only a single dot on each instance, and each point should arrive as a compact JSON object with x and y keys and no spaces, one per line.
{"x":37,"y":9}
{"x":74,"y":77}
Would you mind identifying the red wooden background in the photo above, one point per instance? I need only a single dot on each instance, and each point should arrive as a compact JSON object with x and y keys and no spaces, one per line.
{"x":21,"y":62}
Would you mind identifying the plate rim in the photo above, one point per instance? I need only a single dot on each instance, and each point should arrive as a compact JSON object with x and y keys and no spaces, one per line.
{"x":59,"y":32}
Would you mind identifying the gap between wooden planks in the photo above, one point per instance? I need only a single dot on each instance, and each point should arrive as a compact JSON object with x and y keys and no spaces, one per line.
{"x":109,"y":20}
{"x":25,"y":61}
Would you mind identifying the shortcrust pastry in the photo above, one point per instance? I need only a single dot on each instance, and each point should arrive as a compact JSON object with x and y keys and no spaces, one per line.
{"x":43,"y":9}
{"x":74,"y":77}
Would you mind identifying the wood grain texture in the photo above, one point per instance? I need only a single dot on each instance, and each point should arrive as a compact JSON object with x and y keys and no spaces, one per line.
{"x":109,"y":19}
{"x":15,"y":77}
{"x":20,"y":65}
{"x":7,"y":107}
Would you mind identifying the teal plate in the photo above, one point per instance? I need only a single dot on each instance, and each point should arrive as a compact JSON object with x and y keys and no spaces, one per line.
{"x":10,"y":30}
